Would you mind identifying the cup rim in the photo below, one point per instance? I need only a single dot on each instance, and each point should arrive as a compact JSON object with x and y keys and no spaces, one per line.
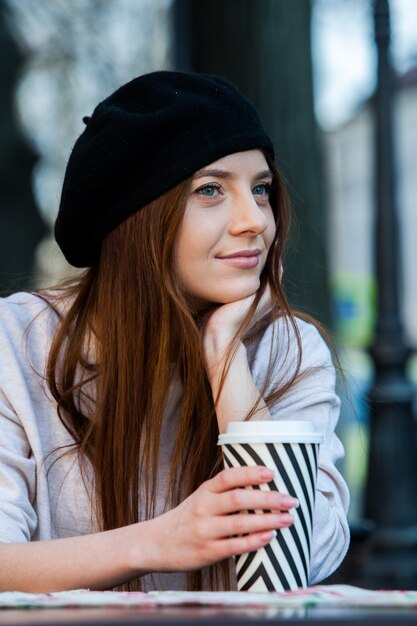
{"x":271,"y":431}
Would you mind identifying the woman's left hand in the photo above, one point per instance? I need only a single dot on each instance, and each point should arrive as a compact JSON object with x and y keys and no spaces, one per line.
{"x":224,"y":321}
{"x":236,"y":394}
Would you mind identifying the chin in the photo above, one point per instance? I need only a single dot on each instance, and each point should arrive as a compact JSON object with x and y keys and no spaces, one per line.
{"x":235,"y":295}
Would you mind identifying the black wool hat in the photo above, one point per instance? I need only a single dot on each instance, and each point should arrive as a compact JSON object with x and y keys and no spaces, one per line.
{"x":148,"y":136}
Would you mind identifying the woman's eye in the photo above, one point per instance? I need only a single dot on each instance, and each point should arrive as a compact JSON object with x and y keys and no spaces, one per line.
{"x":263,"y":189}
{"x":209,"y":191}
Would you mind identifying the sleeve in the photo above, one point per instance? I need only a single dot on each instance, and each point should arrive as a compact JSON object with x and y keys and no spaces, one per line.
{"x":18,"y":519}
{"x":314,"y":398}
{"x":17,"y":479}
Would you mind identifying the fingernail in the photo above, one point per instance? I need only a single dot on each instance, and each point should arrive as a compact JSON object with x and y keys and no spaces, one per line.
{"x":286,"y":518}
{"x":268,"y":473}
{"x":290,"y":502}
{"x":266,"y":537}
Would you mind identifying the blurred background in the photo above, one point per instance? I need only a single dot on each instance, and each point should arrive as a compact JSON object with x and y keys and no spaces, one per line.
{"x":311,"y":69}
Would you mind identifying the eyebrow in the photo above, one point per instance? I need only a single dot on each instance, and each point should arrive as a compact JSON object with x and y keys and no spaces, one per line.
{"x":225,"y":174}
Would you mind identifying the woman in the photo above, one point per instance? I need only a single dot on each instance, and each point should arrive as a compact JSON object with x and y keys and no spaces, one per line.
{"x":115,"y":386}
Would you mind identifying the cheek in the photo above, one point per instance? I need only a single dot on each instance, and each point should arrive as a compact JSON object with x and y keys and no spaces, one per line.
{"x":270,"y":232}
{"x":192,"y":250}
{"x":198,"y":236}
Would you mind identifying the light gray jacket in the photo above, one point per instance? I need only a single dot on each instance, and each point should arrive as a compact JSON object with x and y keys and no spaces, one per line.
{"x":35,"y":505}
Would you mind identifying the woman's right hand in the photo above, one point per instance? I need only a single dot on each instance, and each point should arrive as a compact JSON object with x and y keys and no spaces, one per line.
{"x":198,"y":532}
{"x":212,"y":524}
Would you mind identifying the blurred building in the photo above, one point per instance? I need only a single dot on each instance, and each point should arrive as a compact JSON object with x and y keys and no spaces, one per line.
{"x":349,"y":155}
{"x":350,"y":168}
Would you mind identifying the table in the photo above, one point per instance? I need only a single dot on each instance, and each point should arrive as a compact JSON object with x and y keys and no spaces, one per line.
{"x":341,"y":605}
{"x":209,"y":617}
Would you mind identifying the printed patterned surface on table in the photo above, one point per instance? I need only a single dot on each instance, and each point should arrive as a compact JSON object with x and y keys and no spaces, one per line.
{"x":321,"y":595}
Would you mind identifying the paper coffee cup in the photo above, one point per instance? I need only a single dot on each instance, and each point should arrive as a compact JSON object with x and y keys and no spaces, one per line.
{"x":290,"y":448}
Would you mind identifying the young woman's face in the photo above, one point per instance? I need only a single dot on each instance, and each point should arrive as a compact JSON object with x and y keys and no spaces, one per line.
{"x":227,"y":230}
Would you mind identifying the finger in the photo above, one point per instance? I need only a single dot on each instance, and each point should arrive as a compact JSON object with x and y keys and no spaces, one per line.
{"x":248,"y":523}
{"x":234,"y":477}
{"x":253,"y":499}
{"x":232,"y":546}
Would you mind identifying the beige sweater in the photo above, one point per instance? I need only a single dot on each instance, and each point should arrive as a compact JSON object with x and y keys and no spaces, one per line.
{"x":36,"y":505}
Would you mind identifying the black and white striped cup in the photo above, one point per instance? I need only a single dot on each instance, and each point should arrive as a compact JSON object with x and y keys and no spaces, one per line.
{"x":290,"y":448}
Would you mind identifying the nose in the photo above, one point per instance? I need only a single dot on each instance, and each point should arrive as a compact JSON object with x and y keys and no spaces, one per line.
{"x":247,"y":216}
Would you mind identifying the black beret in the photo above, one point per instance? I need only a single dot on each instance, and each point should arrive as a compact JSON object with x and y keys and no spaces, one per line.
{"x":145,"y":138}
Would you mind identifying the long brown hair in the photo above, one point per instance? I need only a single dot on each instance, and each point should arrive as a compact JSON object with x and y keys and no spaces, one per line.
{"x":130,"y":307}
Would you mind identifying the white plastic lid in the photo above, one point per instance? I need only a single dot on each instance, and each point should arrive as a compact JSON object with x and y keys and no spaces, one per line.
{"x":271,"y":432}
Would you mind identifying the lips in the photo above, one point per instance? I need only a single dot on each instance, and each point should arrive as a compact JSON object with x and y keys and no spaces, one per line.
{"x":244,"y":259}
{"x":241,"y":253}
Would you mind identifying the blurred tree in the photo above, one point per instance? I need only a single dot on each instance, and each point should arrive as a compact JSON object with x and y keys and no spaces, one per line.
{"x":21,"y":226}
{"x":75,"y":54}
{"x":264,"y":46}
